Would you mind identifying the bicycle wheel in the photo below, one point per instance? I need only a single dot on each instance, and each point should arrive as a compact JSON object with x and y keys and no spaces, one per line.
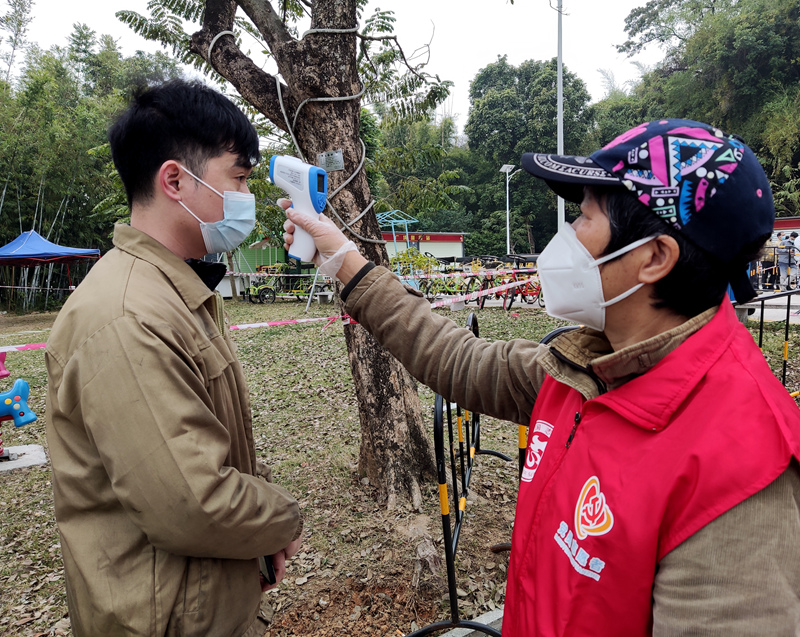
{"x":508,"y":299}
{"x":540,"y":299}
{"x":530,"y":293}
{"x":472,"y":284}
{"x":431,"y":289}
{"x":266,"y":295}
{"x":423,"y":286}
{"x":487,"y":283}
{"x":251,"y":296}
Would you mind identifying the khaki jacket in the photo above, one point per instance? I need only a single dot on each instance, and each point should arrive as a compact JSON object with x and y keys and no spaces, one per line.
{"x":739,"y":575}
{"x":158,"y":505}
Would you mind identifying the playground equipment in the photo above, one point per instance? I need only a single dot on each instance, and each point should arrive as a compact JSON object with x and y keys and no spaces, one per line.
{"x":14,"y":406}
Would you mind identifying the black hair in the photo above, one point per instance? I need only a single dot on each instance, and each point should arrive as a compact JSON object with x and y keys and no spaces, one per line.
{"x":182,"y":120}
{"x":698,"y":280}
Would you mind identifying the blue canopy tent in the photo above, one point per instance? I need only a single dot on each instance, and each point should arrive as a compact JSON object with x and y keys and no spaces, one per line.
{"x":30,"y":249}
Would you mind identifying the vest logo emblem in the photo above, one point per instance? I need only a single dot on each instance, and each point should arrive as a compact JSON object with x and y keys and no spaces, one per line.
{"x":539,"y":438}
{"x":592,"y":514}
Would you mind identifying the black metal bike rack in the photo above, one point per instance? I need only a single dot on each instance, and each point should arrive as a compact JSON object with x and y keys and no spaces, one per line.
{"x":461,"y":465}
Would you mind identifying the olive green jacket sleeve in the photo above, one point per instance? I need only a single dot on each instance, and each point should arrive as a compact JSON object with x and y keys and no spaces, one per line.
{"x":447,"y":358}
{"x":740,"y":574}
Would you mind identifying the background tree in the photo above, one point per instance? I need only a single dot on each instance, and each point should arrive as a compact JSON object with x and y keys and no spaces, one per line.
{"x":15,"y":24}
{"x":53,"y":172}
{"x":513,"y":111}
{"x":734,"y":66}
{"x":667,"y":23}
{"x":411,"y":162}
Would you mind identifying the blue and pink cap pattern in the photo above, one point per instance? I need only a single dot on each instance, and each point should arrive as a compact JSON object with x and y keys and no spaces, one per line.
{"x":676,"y":172}
{"x":706,"y":184}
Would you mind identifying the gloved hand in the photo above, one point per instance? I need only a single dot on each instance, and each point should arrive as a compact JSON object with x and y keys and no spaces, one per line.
{"x":332,"y":245}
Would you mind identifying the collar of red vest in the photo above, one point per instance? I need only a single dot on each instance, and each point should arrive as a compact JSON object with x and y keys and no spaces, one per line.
{"x":650,"y":400}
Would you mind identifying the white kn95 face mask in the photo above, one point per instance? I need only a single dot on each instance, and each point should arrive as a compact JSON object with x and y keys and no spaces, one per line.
{"x":571,"y":281}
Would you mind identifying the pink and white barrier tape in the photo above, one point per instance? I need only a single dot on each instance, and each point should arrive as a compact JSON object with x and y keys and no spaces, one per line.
{"x":467,"y":275}
{"x":248,"y":326}
{"x":476,"y":295}
{"x":330,"y":319}
{"x":22,"y":348}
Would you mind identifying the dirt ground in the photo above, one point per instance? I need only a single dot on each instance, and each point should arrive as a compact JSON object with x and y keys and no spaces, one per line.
{"x":363,"y":570}
{"x":22,"y":323}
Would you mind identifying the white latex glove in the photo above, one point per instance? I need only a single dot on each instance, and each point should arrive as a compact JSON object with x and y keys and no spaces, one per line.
{"x":332,"y":245}
{"x":330,"y":265}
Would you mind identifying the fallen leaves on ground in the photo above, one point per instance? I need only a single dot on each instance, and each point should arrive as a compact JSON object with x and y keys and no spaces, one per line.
{"x":362,"y":570}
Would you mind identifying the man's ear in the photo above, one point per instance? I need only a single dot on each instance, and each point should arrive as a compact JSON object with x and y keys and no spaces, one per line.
{"x":662,"y":255}
{"x":169,"y":179}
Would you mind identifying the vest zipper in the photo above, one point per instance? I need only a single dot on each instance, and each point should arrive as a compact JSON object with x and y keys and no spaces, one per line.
{"x":574,"y":428}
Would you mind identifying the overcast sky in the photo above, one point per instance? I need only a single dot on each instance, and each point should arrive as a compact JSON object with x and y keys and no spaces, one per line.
{"x":464,"y":36}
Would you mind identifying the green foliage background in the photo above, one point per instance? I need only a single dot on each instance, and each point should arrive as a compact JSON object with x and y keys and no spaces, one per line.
{"x":731,"y":63}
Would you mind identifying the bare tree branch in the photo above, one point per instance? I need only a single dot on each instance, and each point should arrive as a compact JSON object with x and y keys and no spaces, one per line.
{"x":269,"y":25}
{"x":254,"y":84}
{"x":381,"y":38}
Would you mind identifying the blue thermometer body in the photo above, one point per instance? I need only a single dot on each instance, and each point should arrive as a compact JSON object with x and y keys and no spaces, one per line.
{"x":307,"y":187}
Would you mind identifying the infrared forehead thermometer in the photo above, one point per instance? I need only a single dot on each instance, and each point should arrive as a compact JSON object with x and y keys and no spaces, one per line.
{"x":307,"y":187}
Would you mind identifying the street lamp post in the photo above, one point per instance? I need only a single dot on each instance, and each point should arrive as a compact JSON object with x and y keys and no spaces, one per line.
{"x":507,"y":168}
{"x":560,"y":113}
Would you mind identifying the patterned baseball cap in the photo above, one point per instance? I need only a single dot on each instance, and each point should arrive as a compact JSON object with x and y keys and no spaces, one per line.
{"x":704,"y":183}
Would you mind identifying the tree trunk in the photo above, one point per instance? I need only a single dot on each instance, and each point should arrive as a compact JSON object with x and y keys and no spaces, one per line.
{"x":531,"y":240}
{"x":232,"y":276}
{"x":396,"y":452}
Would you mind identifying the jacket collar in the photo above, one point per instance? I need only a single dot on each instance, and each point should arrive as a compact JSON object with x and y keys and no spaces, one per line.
{"x":619,"y":367}
{"x":649,"y":400}
{"x":142,"y":246}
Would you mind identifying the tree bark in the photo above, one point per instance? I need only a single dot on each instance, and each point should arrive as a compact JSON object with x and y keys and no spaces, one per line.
{"x":396,"y":453}
{"x":531,"y":240}
{"x":232,"y":277}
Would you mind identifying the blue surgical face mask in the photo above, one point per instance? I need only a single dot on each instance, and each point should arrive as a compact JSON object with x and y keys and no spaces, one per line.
{"x":239,"y":219}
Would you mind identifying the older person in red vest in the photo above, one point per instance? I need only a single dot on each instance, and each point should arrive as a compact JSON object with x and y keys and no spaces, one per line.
{"x":661,"y":487}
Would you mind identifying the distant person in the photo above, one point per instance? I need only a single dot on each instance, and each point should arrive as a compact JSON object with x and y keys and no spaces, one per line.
{"x":661,"y":489}
{"x":161,"y":505}
{"x":769,"y":264}
{"x":786,"y":261}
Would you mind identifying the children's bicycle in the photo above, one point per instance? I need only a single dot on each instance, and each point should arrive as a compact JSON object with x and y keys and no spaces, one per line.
{"x":453,"y":286}
{"x":266,"y":282}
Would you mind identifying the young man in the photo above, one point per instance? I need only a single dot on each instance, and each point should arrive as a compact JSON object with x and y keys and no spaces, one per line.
{"x":162,"y":507}
{"x":661,"y":492}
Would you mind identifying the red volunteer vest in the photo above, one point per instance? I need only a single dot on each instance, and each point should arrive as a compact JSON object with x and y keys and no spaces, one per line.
{"x":613,"y":484}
